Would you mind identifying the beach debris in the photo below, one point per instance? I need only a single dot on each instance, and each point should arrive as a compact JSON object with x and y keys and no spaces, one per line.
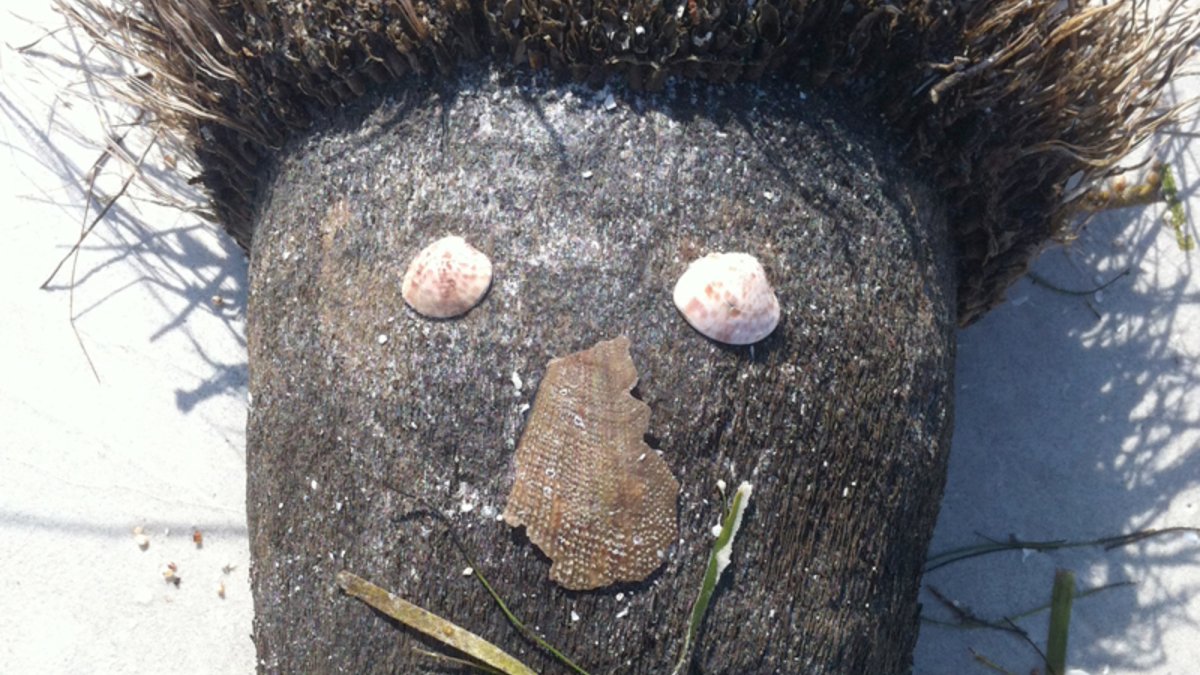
{"x":447,"y":278}
{"x":198,"y":538}
{"x":140,"y":538}
{"x":170,"y":573}
{"x":432,"y":625}
{"x":1061,"y":597}
{"x":727,"y":297}
{"x":1176,"y":217}
{"x":584,"y":498}
{"x":718,"y":560}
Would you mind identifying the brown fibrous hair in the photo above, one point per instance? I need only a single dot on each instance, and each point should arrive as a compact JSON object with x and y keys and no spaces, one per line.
{"x":1004,"y":103}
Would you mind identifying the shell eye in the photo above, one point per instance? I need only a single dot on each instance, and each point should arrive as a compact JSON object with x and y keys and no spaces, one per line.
{"x":447,"y":278}
{"x":726,"y":296}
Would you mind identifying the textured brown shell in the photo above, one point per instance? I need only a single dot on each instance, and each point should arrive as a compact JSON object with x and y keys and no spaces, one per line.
{"x":597,"y":500}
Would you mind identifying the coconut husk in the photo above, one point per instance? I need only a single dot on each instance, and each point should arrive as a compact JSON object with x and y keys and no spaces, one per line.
{"x":1003,"y":103}
{"x":590,"y":212}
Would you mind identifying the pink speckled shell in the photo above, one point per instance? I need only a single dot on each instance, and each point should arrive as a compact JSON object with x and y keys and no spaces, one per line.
{"x":447,"y":278}
{"x":726,"y":296}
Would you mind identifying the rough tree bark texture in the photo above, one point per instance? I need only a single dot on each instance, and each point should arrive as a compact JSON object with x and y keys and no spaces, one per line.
{"x":590,"y":208}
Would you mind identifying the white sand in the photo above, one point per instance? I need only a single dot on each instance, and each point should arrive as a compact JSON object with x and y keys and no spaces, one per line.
{"x":158,"y":442}
{"x":1079,"y":424}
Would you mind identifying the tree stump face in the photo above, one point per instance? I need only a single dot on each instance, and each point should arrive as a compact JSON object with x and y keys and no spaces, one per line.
{"x":590,"y":207}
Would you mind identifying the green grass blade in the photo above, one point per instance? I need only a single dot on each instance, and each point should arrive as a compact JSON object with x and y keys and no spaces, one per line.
{"x":527,"y":632}
{"x":446,"y":659}
{"x":718,"y":560}
{"x":431,"y":624}
{"x":1060,"y":622}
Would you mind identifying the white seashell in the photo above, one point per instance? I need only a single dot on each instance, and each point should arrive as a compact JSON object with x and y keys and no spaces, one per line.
{"x":726,"y":296}
{"x":447,"y":278}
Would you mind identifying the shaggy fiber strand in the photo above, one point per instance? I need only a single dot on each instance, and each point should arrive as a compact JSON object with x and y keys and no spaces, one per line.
{"x":1008,"y":104}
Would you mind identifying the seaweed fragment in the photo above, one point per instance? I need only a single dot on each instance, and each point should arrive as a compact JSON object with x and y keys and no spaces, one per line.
{"x":718,"y":560}
{"x":1175,"y":216}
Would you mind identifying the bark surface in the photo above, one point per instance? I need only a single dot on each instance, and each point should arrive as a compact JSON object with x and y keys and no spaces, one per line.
{"x":591,"y":205}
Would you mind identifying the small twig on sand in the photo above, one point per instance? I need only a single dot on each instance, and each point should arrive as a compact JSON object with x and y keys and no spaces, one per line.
{"x":988,"y":663}
{"x":1048,"y":285}
{"x":86,"y":229}
{"x":30,"y":45}
{"x":965,"y":552}
{"x":104,"y":211}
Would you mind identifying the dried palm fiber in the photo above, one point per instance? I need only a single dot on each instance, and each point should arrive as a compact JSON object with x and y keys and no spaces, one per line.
{"x":1001,"y":102}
